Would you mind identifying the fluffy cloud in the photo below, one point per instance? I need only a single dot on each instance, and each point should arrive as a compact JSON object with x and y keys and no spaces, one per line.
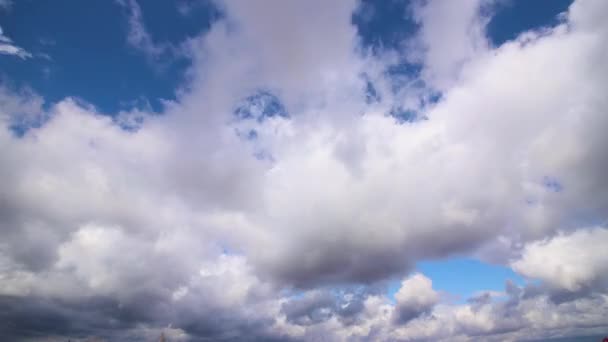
{"x":571,"y":262}
{"x":211,"y":225}
{"x":415,"y":297}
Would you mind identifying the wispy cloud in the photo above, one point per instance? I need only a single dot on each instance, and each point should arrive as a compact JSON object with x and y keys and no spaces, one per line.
{"x":5,"y":4}
{"x":7,"y":47}
{"x":138,"y":36}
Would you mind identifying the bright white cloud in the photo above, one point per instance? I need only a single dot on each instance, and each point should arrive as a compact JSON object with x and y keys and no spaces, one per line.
{"x":573,"y":262}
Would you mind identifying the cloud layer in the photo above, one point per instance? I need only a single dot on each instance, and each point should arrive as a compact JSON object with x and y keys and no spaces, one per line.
{"x":286,"y":223}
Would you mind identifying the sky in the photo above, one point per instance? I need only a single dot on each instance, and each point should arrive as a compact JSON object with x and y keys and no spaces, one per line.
{"x":282,"y":170}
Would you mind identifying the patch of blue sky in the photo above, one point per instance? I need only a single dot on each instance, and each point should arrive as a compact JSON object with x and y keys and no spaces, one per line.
{"x":383,"y":25}
{"x":404,"y":115}
{"x":404,"y":75}
{"x":198,"y":17}
{"x":20,"y":127}
{"x":372,"y":95}
{"x":513,"y":17}
{"x":22,"y":123}
{"x":252,"y":111}
{"x":463,"y":277}
{"x":259,"y":106}
{"x":80,"y":50}
{"x":552,"y":184}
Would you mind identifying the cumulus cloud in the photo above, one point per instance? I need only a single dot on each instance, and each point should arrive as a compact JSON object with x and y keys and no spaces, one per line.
{"x":572,"y":262}
{"x":415,"y":297}
{"x":208,"y":224}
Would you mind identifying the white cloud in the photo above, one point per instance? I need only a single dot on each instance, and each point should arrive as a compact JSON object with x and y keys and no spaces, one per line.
{"x":180,"y":222}
{"x":451,"y":34}
{"x":415,"y":297}
{"x":572,"y":262}
{"x":7,"y":47}
{"x":139,"y":37}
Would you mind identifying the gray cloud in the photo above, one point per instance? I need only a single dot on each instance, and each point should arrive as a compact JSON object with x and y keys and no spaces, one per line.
{"x":415,"y":298}
{"x":181,"y":225}
{"x":571,"y":266}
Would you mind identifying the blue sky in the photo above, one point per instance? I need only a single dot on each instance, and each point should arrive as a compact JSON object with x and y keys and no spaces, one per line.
{"x":354,"y":158}
{"x":96,"y":63}
{"x":465,"y":277}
